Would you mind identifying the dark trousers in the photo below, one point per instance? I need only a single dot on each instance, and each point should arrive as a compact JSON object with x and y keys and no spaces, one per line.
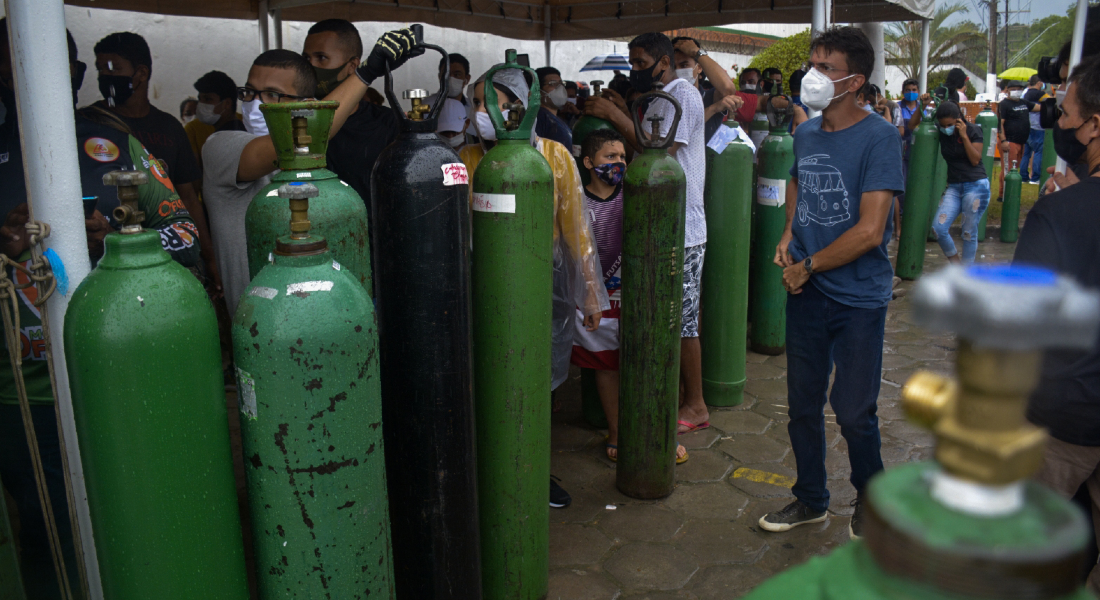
{"x":821,"y":333}
{"x":17,"y":473}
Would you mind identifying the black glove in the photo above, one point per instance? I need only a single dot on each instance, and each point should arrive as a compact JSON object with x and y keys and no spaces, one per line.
{"x":394,"y":47}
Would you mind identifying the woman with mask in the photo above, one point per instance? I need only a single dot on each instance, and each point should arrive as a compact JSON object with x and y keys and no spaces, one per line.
{"x":1060,"y":234}
{"x":967,"y":183}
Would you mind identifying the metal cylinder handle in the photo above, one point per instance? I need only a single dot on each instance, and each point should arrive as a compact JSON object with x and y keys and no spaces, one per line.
{"x":523,"y":132}
{"x":655,"y":142}
{"x":441,"y":96}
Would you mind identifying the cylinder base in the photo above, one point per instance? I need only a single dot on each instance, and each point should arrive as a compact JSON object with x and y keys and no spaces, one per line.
{"x":723,"y":393}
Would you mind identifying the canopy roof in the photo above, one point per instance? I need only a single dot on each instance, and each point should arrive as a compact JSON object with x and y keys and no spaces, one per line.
{"x":526,"y":19}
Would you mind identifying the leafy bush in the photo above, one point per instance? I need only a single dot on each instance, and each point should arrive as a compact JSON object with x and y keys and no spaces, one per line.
{"x":788,"y":55}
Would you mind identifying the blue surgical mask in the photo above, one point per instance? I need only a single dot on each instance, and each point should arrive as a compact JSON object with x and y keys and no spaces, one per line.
{"x":948,"y":130}
{"x":912,"y":96}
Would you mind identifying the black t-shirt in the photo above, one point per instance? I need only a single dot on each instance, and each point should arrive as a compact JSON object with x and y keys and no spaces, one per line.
{"x":945,"y":94}
{"x":1033,"y":95}
{"x":1014,"y":113}
{"x":959,"y":169}
{"x":163,"y":136}
{"x":354,"y":149}
{"x":1061,"y":234}
{"x":710,"y":127}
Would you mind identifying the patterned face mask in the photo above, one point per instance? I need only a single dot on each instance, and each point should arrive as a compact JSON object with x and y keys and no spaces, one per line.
{"x":611,"y":173}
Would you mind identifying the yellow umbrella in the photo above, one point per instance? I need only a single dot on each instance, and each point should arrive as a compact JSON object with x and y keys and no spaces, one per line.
{"x":1018,"y":73}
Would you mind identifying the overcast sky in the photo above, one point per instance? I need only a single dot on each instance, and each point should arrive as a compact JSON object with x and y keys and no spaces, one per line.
{"x":1039,"y":9}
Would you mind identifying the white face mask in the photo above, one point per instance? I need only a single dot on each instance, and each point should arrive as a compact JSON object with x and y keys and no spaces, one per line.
{"x":687,"y":75}
{"x":748,"y":87}
{"x":557,"y":96}
{"x":205,"y":113}
{"x":454,"y":87}
{"x":818,"y":91}
{"x":186,"y":119}
{"x":254,"y":122}
{"x":1015,"y":93}
{"x":485,"y":125}
{"x":454,"y":142}
{"x":572,"y":101}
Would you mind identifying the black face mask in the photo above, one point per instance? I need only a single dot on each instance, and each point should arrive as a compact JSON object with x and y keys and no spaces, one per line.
{"x":642,"y":80}
{"x":116,"y":89}
{"x":1066,"y":145}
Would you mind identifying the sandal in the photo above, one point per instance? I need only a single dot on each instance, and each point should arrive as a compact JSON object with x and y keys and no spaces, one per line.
{"x":681,"y":459}
{"x":608,"y":448}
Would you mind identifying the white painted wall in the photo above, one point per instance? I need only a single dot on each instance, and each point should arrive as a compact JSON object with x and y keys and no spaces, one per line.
{"x":184,"y":48}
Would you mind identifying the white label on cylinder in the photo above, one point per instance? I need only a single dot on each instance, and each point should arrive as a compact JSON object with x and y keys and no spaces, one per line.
{"x":246,"y":390}
{"x":275,"y":192}
{"x":771,"y":192}
{"x":576,"y":151}
{"x":305,"y":175}
{"x":455,"y":174}
{"x":992,"y":151}
{"x":502,"y":203}
{"x":305,"y":287}
{"x":263,"y":292}
{"x":335,"y":265}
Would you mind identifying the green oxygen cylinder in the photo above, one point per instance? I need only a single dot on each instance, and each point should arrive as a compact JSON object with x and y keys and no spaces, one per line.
{"x":153,"y":430}
{"x":513,"y":203}
{"x":767,"y":304}
{"x":987,"y":120}
{"x":1050,"y":158}
{"x":918,"y":194}
{"x":306,"y":351}
{"x":300,"y":132}
{"x":584,"y":126}
{"x":654,"y":205}
{"x":1010,"y":211}
{"x":725,"y":288}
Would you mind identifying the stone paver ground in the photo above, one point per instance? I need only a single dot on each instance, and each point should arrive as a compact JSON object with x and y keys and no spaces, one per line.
{"x":702,"y":542}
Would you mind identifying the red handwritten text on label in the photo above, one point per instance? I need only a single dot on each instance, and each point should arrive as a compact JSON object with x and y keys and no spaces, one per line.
{"x":455,"y":174}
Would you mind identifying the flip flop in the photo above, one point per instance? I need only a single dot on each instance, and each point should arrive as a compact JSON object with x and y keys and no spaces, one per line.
{"x":681,"y":459}
{"x":615,"y":448}
{"x":692,"y":427}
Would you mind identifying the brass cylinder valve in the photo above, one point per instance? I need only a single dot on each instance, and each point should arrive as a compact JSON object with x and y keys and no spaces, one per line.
{"x":298,"y":194}
{"x":127,"y":213}
{"x":596,"y":83}
{"x":516,"y":110}
{"x":299,"y":123}
{"x":419,"y":109}
{"x":979,"y":419}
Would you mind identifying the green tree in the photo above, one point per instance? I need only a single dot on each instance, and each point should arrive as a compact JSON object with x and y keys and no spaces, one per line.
{"x":947,"y":45}
{"x":788,"y":54}
{"x":1049,"y":35}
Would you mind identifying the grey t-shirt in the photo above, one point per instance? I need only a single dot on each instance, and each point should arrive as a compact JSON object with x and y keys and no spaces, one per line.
{"x":226,"y":202}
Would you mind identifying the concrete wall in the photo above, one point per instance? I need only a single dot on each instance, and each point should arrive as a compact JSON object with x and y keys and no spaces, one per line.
{"x":184,"y":48}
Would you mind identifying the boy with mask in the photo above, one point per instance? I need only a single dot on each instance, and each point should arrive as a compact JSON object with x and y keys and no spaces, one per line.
{"x":604,"y":152}
{"x":333,"y":48}
{"x":239,"y":163}
{"x":652,"y":61}
{"x":1061,"y":234}
{"x":1015,"y":128}
{"x":554,"y":97}
{"x":216,"y":110}
{"x":125,"y":66}
{"x":837,"y":272}
{"x":453,"y":124}
{"x":457,"y":69}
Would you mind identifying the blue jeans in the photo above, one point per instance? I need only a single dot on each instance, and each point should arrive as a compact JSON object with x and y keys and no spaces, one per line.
{"x":971,"y":199}
{"x":823,"y":333}
{"x":1033,"y":149}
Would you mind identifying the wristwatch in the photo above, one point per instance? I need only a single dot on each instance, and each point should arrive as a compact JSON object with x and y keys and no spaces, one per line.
{"x":700,"y":53}
{"x":808,"y":264}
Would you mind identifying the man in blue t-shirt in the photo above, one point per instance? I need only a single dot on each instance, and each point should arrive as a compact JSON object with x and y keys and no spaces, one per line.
{"x":835,"y":267}
{"x":554,"y":100}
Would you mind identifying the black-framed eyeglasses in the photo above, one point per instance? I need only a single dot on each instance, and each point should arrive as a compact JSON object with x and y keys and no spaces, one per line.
{"x":245,"y":94}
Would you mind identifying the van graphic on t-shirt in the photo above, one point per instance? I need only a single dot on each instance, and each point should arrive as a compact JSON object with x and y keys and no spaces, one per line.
{"x":823,"y":198}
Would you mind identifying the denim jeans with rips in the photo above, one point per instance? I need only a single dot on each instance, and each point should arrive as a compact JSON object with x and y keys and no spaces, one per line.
{"x":971,"y":199}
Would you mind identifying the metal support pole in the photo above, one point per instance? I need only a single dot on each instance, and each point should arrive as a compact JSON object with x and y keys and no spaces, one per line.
{"x":263,"y":26}
{"x":1075,"y":48}
{"x":47,"y":128}
{"x":277,"y":21}
{"x":876,"y":36}
{"x":546,"y":22}
{"x":925,"y":26}
{"x":820,"y":17}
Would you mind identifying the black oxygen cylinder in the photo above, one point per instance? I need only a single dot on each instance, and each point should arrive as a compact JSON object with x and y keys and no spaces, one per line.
{"x":420,"y":211}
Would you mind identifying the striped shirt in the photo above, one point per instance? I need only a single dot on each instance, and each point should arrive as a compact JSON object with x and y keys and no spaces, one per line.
{"x":606,"y":215}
